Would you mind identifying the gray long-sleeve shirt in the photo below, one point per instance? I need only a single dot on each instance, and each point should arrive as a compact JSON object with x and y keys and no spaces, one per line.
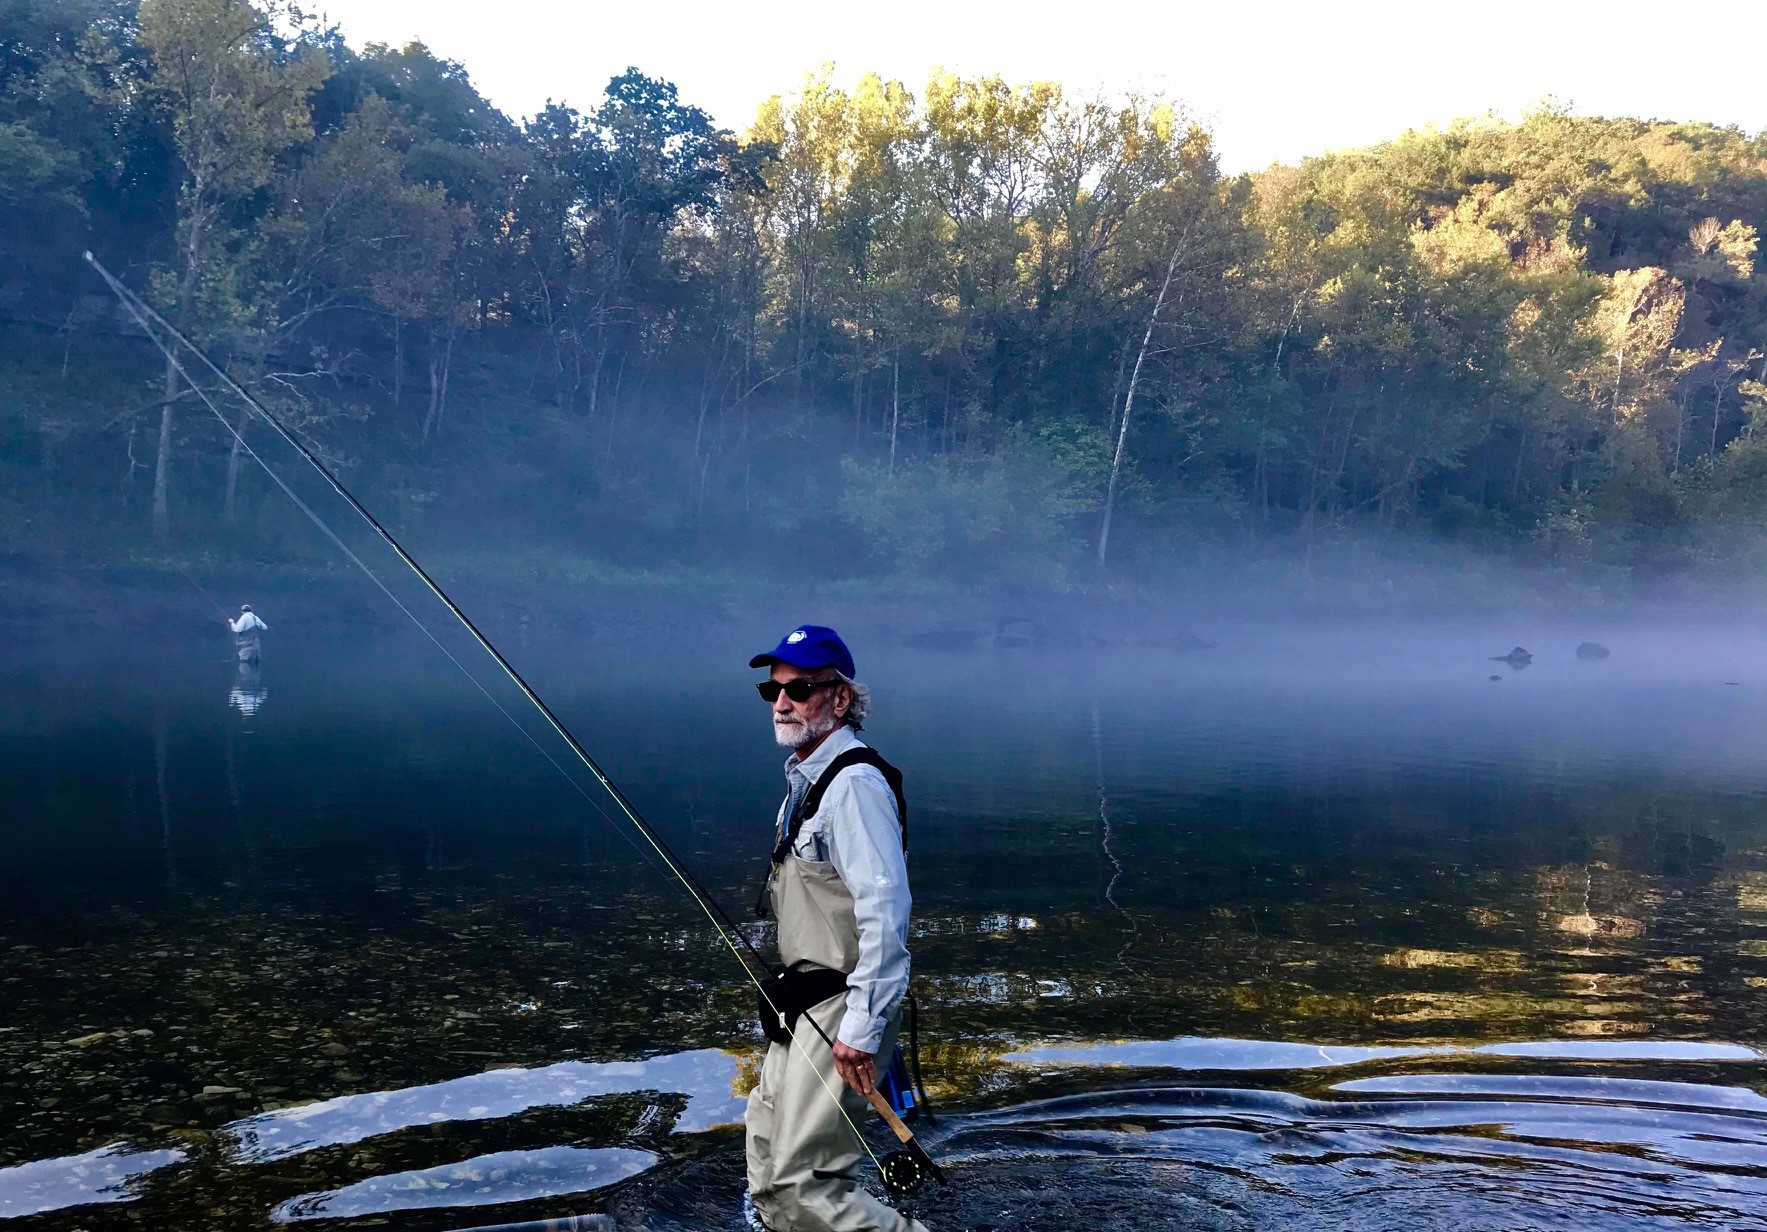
{"x":856,"y":829}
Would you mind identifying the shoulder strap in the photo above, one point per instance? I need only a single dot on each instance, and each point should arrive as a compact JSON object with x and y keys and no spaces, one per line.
{"x":863,"y":755}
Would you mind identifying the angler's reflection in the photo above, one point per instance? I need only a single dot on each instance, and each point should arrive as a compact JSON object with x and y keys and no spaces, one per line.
{"x":248,"y":692}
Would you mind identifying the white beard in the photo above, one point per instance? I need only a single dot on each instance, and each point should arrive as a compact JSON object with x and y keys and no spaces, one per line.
{"x":796,"y":733}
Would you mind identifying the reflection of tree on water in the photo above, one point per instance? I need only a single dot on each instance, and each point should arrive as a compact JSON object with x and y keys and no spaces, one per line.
{"x":165,"y":798}
{"x":1105,"y":836}
{"x":248,"y":692}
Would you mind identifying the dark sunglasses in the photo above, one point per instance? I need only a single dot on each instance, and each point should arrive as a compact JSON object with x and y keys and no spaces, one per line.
{"x":797,"y":690}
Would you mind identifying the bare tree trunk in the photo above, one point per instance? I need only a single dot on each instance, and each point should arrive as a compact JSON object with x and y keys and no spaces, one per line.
{"x":748,"y":459}
{"x":1294,"y":319}
{"x":895,"y":409}
{"x":236,"y":450}
{"x":160,"y":788}
{"x":1335,"y":490}
{"x":440,"y":359}
{"x":429,"y":416}
{"x":566,"y":378}
{"x":595,"y":372}
{"x":233,"y":456}
{"x":129,"y":452}
{"x":715,"y":380}
{"x":1680,"y":429}
{"x":67,"y":346}
{"x":859,"y":388}
{"x":1110,"y":427}
{"x":447,"y":372}
{"x":613,"y":405}
{"x":1258,"y":493}
{"x":699,"y":500}
{"x":803,"y":326}
{"x":1521,"y":455}
{"x":1110,"y":491}
{"x":162,"y":464}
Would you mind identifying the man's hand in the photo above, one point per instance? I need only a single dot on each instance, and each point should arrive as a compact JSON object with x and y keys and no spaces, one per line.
{"x":856,"y":1067}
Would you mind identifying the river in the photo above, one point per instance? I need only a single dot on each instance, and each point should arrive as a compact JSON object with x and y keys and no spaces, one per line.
{"x":1325,"y":927}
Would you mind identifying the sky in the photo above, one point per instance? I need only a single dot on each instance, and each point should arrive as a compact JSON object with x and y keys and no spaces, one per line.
{"x":1275,"y":81}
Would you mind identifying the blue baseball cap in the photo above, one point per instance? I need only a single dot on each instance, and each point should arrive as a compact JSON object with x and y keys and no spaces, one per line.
{"x":810,"y":647}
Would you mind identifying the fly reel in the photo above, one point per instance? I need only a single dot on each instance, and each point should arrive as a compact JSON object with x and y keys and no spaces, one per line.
{"x":907,"y":1170}
{"x":902,"y":1173}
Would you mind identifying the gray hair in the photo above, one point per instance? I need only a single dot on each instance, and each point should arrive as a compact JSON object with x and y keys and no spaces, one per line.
{"x":860,"y":709}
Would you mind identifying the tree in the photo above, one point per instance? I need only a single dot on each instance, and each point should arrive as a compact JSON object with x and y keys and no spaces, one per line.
{"x":1153,"y":321}
{"x":236,"y":99}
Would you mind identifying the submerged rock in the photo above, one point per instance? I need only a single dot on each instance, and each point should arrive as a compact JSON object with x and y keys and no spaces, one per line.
{"x":1592,"y":650}
{"x":1514,"y":658}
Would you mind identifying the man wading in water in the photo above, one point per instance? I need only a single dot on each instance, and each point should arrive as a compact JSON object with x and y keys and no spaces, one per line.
{"x":245,"y":634}
{"x":839,"y":890}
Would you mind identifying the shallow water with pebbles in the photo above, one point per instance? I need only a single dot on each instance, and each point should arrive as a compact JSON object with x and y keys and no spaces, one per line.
{"x":1320,"y":929}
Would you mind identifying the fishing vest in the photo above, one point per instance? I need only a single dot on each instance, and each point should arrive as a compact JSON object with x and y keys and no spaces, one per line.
{"x":812,"y":904}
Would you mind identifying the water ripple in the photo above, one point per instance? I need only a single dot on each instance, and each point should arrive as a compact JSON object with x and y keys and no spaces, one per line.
{"x":1564,"y":1155}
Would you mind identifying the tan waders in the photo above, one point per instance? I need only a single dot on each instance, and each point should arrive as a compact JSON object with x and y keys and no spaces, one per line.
{"x":803,"y":1156}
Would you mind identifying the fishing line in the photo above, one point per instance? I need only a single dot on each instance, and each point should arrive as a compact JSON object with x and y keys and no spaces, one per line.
{"x":199,"y":590}
{"x":721,"y":923}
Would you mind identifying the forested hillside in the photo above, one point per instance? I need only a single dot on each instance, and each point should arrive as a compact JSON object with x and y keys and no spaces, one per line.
{"x":958,"y":328}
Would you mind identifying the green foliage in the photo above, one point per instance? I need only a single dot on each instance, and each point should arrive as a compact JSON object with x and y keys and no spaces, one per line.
{"x":1007,"y":514}
{"x":906,"y":329}
{"x":32,"y":167}
{"x":236,"y":100}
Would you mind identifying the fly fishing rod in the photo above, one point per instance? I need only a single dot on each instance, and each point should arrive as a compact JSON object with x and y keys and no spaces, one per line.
{"x":902,"y":1171}
{"x":205,"y":594}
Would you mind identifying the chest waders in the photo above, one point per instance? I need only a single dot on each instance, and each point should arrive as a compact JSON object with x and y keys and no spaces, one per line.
{"x":172,"y":343}
{"x":819,"y":948}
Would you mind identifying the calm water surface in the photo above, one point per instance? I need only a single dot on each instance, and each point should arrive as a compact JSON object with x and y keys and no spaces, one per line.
{"x":1318,"y":929}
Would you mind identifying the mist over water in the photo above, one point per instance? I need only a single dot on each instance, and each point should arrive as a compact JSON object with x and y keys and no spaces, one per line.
{"x":1319,"y":927}
{"x":1243,"y":900}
